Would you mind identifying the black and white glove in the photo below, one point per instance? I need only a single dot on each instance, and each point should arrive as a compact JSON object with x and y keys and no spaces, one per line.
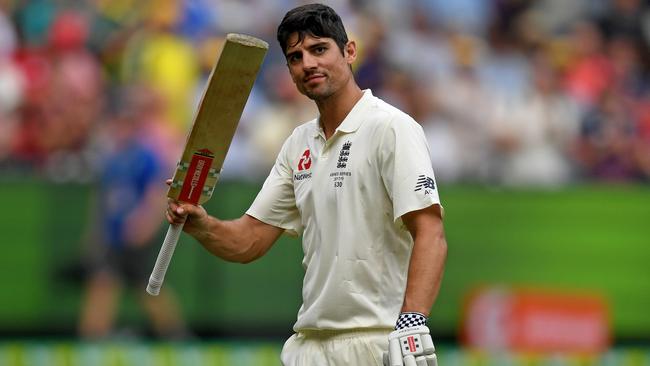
{"x":410,"y":344}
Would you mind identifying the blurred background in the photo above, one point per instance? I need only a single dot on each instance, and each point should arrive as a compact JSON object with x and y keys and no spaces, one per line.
{"x":537,"y":115}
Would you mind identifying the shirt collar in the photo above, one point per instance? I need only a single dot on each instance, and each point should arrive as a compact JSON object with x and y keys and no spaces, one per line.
{"x":353,"y":120}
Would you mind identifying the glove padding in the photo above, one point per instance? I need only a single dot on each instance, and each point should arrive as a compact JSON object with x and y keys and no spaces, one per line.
{"x":410,"y":347}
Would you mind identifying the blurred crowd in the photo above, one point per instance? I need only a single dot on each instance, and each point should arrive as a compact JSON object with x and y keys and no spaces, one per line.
{"x":509,"y":92}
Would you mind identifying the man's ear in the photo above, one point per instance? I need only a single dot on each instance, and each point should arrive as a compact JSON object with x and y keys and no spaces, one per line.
{"x":350,"y":52}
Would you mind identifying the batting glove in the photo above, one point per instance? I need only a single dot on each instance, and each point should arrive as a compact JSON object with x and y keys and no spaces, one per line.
{"x":410,"y":344}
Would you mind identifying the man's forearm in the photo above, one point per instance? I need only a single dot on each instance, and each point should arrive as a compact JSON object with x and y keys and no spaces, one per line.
{"x":228,"y":240}
{"x":425,"y":270}
{"x":242,"y":240}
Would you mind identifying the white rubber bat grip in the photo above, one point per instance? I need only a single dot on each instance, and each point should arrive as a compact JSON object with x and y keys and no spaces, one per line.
{"x":164,"y":257}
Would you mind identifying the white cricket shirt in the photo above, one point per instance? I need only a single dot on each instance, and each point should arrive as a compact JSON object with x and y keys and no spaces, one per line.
{"x":345,"y":196}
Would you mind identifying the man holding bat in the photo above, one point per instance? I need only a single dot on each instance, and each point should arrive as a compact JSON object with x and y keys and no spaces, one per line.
{"x":357,"y":184}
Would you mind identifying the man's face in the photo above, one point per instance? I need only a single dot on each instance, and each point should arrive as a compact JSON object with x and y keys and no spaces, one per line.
{"x":317,"y":66}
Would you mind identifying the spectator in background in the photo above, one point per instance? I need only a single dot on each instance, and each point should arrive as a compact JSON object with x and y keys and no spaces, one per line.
{"x":8,"y":40}
{"x":467,"y":16}
{"x":466,"y":104}
{"x":555,"y":17}
{"x":444,"y":145}
{"x":610,"y":146}
{"x":642,"y":145}
{"x":590,"y":73}
{"x":126,"y":223}
{"x":275,"y":121}
{"x":33,"y":19}
{"x":532,"y":138}
{"x":76,"y":75}
{"x":155,"y":55}
{"x":626,"y":18}
{"x":64,"y":94}
{"x":503,"y":67}
{"x":606,"y":144}
{"x":372,"y":61}
{"x":111,"y":24}
{"x":423,"y":41}
{"x":11,"y":87}
{"x":629,"y":75}
{"x":147,"y":106}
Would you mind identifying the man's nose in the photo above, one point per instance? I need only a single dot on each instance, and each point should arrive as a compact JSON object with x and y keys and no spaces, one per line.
{"x":309,"y":61}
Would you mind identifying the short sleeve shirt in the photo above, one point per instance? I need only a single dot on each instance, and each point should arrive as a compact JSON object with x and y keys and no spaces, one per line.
{"x":127,"y":174}
{"x":346,"y":196}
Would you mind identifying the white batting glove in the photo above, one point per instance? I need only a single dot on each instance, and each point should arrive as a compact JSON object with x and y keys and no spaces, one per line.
{"x":410,"y":344}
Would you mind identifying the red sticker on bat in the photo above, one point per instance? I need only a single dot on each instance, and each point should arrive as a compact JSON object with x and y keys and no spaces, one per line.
{"x":196,"y":175}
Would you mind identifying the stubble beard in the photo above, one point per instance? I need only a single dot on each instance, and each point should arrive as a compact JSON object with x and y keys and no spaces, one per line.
{"x":319,"y":93}
{"x":319,"y":96}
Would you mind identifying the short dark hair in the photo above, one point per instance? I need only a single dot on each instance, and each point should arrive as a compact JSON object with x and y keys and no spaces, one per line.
{"x":316,"y":20}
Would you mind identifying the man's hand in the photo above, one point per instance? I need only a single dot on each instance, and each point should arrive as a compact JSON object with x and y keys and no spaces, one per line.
{"x":194,"y":217}
{"x":410,"y":344}
{"x":410,"y":347}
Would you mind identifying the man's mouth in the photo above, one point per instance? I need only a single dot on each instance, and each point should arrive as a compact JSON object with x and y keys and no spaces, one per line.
{"x":314,"y":77}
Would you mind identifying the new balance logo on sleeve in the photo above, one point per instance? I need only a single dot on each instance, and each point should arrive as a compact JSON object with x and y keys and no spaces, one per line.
{"x":425,"y":183}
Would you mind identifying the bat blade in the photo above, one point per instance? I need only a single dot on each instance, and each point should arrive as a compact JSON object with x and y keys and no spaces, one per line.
{"x":216,"y":118}
{"x":213,"y":128}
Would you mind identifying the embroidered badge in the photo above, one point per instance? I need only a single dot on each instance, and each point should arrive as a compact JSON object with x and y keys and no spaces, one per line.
{"x":344,"y":155}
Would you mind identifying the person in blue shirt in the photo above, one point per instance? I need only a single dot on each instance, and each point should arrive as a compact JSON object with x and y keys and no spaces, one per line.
{"x":126,"y":222}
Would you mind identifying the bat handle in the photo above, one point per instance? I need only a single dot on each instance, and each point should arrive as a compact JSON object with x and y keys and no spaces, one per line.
{"x":164,"y":257}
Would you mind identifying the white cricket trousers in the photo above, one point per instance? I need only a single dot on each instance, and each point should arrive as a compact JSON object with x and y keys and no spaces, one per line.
{"x":359,"y":347}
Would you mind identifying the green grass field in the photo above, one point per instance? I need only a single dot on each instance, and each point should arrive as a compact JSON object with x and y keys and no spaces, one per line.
{"x":589,"y":238}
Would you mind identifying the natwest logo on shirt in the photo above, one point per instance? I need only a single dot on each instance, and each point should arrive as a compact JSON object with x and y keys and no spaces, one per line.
{"x":305,"y":161}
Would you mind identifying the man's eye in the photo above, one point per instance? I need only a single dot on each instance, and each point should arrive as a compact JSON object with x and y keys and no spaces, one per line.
{"x":320,"y":50}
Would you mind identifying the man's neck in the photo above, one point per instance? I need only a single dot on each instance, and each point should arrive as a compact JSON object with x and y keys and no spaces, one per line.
{"x":334,"y":109}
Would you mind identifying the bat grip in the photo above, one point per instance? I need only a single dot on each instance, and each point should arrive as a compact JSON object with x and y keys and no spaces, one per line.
{"x":164,"y":257}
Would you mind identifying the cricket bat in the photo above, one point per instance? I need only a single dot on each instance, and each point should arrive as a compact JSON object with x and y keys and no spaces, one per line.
{"x":215,"y":122}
